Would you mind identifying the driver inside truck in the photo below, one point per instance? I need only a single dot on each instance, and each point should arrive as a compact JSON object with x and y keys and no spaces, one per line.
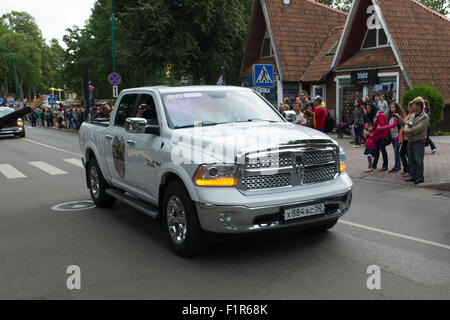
{"x":147,"y":110}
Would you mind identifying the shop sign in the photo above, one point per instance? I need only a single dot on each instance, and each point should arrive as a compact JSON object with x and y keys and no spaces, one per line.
{"x":364,"y":77}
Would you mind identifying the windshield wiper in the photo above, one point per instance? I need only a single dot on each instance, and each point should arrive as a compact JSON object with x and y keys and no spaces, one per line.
{"x":201,"y":124}
{"x":258,"y":119}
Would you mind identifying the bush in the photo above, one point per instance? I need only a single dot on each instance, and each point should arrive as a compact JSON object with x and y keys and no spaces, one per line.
{"x":436,"y":99}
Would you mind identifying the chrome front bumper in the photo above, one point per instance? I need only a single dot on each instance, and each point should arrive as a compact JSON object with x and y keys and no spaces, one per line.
{"x":241,"y":219}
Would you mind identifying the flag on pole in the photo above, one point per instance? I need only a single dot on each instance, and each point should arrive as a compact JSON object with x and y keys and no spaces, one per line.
{"x":88,"y":97}
{"x":221,"y":81}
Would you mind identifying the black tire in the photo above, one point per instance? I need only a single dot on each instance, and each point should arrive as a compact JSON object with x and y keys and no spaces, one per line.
{"x":195,"y":242}
{"x":98,"y":190}
{"x":325,"y":226}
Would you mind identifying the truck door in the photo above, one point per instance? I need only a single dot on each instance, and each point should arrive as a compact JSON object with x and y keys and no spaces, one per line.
{"x":143,"y":157}
{"x":115,"y":144}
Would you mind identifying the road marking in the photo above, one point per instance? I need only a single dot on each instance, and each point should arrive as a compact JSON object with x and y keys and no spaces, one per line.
{"x":398,"y":235}
{"x":75,"y":162}
{"x":45,"y":145}
{"x":10,"y":172}
{"x":51,"y":170}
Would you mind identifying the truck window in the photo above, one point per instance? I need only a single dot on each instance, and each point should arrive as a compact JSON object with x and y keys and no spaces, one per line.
{"x":125,"y":109}
{"x":147,"y":109}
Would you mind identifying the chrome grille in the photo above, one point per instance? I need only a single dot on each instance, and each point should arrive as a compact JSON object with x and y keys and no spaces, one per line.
{"x":318,"y":157}
{"x":316,"y":164}
{"x":283,"y":160}
{"x":321,"y":174}
{"x":266,"y":181}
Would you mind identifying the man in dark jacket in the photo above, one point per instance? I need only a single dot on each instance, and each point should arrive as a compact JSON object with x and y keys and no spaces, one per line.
{"x":22,"y":112}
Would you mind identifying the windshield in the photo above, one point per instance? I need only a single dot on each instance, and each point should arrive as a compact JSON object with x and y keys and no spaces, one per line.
{"x":5,"y":111}
{"x":205,"y":108}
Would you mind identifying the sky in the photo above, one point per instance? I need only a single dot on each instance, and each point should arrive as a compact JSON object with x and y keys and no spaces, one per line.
{"x":52,"y":16}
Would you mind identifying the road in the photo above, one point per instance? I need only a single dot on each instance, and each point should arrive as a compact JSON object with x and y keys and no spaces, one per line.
{"x":124,"y":254}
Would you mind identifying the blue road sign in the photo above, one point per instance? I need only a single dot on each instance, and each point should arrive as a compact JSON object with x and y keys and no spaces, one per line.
{"x":115,"y":79}
{"x":52,"y":101}
{"x":263,"y":75}
{"x":2,"y":100}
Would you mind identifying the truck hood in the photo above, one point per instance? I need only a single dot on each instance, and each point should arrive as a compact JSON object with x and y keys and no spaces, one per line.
{"x":224,"y":142}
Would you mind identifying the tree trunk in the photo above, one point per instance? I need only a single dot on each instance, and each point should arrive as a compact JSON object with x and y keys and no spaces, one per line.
{"x":6,"y":84}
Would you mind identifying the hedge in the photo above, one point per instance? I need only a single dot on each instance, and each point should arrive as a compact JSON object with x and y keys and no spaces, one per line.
{"x":436,"y":99}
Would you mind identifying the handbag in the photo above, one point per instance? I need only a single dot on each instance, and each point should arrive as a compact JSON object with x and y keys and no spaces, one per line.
{"x":386,"y":140}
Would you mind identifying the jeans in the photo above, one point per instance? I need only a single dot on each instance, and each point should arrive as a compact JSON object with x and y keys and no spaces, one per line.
{"x":396,"y":147}
{"x":404,"y":156}
{"x":382,"y":148}
{"x":359,"y":133}
{"x":429,"y":142}
{"x":416,"y":153}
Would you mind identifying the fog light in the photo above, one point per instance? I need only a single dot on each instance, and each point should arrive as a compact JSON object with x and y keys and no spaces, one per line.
{"x":225,"y":218}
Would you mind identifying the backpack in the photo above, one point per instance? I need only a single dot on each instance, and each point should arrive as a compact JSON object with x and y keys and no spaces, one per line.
{"x":330,"y":123}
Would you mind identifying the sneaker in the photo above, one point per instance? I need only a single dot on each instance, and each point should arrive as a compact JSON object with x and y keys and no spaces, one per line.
{"x":433,"y":151}
{"x":418,"y":182}
{"x":368,"y":170}
{"x":394,"y":170}
{"x":356,"y":146}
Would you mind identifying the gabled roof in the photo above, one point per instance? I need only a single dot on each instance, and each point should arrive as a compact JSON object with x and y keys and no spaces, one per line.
{"x":298,"y":32}
{"x":422,"y":39}
{"x":321,"y":65}
{"x":419,"y":38}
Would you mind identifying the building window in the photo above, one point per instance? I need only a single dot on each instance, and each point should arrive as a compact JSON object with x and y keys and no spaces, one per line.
{"x":267,"y":50}
{"x":375,"y":38}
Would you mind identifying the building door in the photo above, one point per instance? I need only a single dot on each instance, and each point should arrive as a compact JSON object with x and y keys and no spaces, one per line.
{"x":347,"y":95}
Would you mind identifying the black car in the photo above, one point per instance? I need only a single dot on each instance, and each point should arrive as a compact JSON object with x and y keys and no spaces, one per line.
{"x":15,"y":127}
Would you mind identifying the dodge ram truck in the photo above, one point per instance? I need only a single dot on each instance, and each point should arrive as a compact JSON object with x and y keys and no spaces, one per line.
{"x":213,"y":161}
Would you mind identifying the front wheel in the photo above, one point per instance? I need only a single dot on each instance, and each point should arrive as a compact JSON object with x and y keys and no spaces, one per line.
{"x":181,"y":223}
{"x":98,"y":186}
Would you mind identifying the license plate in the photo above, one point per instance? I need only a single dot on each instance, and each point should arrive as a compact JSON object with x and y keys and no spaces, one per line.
{"x":301,"y":212}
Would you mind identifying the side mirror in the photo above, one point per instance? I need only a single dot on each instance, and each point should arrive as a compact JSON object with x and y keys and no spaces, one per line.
{"x":290,"y":116}
{"x":135,"y":125}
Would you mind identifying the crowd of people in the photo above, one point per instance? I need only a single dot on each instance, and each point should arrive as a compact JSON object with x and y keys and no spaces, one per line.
{"x":64,"y":117}
{"x":378,"y":125}
{"x":309,"y":114}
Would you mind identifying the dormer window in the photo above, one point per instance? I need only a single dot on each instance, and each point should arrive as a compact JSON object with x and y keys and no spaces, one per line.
{"x":267,"y":50}
{"x":375,"y":38}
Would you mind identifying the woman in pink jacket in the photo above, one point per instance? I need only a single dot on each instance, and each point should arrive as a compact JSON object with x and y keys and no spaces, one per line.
{"x":380,"y":133}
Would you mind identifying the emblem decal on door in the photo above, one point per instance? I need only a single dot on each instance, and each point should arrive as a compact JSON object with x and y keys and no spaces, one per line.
{"x":118,"y":148}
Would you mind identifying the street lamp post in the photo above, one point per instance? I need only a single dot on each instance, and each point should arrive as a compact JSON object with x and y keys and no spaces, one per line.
{"x":113,"y":41}
{"x":15,"y":70}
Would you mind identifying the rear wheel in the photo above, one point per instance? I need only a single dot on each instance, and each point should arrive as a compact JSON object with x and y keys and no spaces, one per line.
{"x":98,"y":186}
{"x":181,"y":223}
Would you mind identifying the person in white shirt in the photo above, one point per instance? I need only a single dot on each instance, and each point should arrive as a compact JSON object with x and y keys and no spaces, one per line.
{"x":298,"y":111}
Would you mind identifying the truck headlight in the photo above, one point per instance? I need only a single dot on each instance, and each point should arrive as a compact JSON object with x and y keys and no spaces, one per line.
{"x":342,"y":158}
{"x":212,"y":175}
{"x":20,"y":123}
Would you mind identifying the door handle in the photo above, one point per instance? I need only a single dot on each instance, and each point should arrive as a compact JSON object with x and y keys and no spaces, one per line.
{"x":131,"y":142}
{"x":108,"y":137}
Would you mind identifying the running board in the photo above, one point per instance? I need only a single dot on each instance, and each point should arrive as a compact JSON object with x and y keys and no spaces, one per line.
{"x":138,"y":204}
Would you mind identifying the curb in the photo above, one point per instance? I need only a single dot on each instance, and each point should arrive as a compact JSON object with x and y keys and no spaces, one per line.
{"x":442,"y":185}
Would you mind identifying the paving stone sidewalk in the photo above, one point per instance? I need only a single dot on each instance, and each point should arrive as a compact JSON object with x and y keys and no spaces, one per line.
{"x":437,"y":166}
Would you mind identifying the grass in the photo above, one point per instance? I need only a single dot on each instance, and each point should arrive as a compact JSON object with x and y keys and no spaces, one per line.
{"x":439,"y":133}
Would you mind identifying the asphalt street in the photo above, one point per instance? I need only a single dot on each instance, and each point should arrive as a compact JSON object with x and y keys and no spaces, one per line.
{"x":123,"y":254}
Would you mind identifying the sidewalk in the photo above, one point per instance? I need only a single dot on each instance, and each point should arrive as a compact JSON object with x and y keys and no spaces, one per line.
{"x":437,"y":166}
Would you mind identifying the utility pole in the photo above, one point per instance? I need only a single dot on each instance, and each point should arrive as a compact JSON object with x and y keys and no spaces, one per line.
{"x":113,"y":41}
{"x":15,"y":70}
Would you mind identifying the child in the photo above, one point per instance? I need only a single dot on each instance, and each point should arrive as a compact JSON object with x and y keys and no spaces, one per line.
{"x":371,"y":146}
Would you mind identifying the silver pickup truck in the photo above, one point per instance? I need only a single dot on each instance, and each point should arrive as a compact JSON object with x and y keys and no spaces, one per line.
{"x":213,"y":161}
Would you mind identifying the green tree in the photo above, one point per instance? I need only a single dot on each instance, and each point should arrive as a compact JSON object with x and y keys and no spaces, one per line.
{"x":435,"y":98}
{"x":441,"y":6}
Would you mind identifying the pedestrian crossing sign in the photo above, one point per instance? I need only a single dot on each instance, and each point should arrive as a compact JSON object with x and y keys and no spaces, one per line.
{"x":263,"y":75}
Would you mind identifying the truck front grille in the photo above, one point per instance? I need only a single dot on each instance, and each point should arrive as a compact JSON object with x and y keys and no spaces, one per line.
{"x":304,"y":166}
{"x":321,"y":174}
{"x":266,"y":182}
